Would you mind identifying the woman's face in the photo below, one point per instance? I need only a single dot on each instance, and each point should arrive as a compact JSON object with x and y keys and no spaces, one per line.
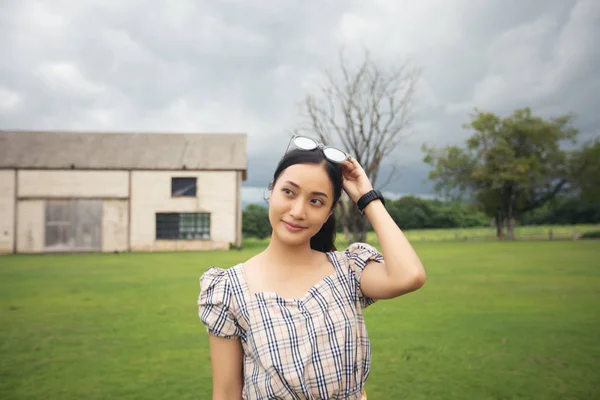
{"x":300,"y":203}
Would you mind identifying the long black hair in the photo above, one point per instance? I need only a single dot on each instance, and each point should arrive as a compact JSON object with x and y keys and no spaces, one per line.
{"x":324,"y":240}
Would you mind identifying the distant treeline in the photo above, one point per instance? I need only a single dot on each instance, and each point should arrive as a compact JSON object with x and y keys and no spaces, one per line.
{"x":416,"y":213}
{"x":411,"y":212}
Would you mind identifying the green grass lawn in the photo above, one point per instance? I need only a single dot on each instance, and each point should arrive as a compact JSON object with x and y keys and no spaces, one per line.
{"x":539,"y":232}
{"x":521,"y":232}
{"x":512,"y":320}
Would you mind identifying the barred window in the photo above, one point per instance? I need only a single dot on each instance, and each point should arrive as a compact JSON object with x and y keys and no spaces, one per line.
{"x":183,"y":187}
{"x":182,"y":226}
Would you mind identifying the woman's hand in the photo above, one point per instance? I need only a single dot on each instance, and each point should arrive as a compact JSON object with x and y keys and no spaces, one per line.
{"x":356,"y":182}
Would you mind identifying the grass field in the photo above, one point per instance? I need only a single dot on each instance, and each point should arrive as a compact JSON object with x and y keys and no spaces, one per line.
{"x":541,"y":232}
{"x":513,"y":320}
{"x":521,"y":233}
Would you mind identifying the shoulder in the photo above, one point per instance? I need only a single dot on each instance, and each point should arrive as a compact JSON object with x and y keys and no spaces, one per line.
{"x":216,"y":282}
{"x":213,"y":277}
{"x":215,"y":303}
{"x":362,"y":252}
{"x":357,"y":255}
{"x":355,"y":258}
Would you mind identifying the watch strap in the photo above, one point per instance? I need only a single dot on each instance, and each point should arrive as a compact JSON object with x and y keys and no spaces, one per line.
{"x":367,"y":198}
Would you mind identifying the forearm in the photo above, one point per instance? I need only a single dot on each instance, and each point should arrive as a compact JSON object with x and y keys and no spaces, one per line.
{"x":226,"y":356}
{"x":227,"y":393}
{"x":401,"y":261}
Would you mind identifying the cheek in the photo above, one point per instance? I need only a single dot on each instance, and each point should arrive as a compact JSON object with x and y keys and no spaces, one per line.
{"x":276,"y":202}
{"x":321,"y":215}
{"x":277,"y":206}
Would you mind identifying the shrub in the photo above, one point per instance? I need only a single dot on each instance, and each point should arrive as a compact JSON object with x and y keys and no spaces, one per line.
{"x":590,"y":235}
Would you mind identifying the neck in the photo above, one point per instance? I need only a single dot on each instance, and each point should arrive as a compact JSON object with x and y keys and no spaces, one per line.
{"x":282,"y":254}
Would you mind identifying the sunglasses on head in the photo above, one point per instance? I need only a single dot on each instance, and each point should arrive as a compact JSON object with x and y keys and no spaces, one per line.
{"x":308,"y":144}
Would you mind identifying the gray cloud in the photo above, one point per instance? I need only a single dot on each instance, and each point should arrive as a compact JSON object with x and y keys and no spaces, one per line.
{"x":234,"y":66}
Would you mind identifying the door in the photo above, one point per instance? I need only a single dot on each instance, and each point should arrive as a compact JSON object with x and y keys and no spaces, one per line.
{"x":73,"y":225}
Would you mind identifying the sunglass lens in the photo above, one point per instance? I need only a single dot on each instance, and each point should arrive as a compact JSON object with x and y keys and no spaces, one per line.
{"x":305,"y":143}
{"x":335,"y":154}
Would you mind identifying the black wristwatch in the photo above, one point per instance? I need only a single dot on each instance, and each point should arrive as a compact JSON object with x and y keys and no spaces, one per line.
{"x":367,"y":198}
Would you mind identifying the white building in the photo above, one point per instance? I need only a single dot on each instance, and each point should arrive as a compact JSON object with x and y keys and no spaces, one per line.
{"x":106,"y":192}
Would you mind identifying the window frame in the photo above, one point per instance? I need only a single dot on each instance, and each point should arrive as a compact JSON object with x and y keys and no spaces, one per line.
{"x":182,"y":178}
{"x":184,"y":226}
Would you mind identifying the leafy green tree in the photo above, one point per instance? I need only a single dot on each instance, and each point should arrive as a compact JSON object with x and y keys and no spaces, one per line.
{"x":586,"y":171}
{"x":411,"y":212}
{"x":510,"y":165}
{"x":255,"y":221}
{"x":565,"y":210}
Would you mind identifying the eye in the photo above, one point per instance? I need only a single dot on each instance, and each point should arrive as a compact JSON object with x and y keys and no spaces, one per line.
{"x":287,"y":191}
{"x":318,"y":202}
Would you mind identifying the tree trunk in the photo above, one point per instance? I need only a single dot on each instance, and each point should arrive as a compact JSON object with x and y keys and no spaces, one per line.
{"x":354,"y":223}
{"x":361,"y":227}
{"x":346,"y":233}
{"x":510,"y":220}
{"x":499,"y":224}
{"x":344,"y":219}
{"x":510,"y":227}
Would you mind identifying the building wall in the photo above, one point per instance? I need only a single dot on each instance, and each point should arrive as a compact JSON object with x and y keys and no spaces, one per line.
{"x":217,"y":194}
{"x":238,"y":206}
{"x":115,"y":219}
{"x":151,"y":193}
{"x":73,"y":183}
{"x":7,"y":211}
{"x":30,"y":226}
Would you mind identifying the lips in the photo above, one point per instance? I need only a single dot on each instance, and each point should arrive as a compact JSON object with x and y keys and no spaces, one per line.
{"x":293,"y":227}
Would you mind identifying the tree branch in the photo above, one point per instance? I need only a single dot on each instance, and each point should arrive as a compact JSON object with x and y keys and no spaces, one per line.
{"x":366,"y":109}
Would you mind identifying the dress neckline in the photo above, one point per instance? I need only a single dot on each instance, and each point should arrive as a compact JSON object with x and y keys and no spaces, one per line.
{"x":287,"y":300}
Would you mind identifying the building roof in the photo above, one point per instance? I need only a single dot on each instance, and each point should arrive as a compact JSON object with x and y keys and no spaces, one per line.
{"x":118,"y":151}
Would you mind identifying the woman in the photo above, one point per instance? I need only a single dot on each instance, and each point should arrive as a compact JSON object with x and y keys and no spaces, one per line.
{"x":288,"y":323}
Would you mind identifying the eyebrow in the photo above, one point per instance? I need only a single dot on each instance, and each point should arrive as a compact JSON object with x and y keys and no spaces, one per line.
{"x":298,"y":186}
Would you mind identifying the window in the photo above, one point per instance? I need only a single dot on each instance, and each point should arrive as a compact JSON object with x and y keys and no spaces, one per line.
{"x":183,"y":187}
{"x":182,"y":226}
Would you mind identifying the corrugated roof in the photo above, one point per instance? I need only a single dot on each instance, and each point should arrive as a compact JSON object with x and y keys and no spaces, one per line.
{"x":147,"y":151}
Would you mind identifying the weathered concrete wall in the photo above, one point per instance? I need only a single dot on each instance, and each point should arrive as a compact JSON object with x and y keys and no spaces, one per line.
{"x":73,"y":183}
{"x":217,"y":194}
{"x":151,"y":193}
{"x":7,"y":211}
{"x":30,"y":226}
{"x":115,"y":216}
{"x":238,"y":188}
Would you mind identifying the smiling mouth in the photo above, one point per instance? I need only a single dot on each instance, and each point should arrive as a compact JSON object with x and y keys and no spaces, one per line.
{"x":295,"y":227}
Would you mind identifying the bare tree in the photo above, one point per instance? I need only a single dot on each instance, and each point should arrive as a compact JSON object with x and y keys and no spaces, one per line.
{"x":367,"y":111}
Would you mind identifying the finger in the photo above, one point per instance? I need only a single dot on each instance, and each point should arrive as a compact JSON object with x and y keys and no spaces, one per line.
{"x":354,"y":162}
{"x":349,"y":165}
{"x":356,"y":166}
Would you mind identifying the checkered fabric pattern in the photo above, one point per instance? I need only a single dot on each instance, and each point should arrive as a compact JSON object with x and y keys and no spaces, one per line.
{"x":315,"y":347}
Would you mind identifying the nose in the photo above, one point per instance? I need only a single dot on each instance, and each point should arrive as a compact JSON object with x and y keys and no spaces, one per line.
{"x":298,"y":210}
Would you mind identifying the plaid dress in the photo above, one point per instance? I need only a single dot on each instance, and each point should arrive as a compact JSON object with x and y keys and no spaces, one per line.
{"x":315,"y":347}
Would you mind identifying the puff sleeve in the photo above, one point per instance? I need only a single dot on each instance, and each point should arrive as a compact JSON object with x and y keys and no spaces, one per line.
{"x":359,"y":255}
{"x":215,"y":302}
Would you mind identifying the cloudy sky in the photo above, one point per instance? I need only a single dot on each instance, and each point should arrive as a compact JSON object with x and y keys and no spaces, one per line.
{"x":245,"y":66}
